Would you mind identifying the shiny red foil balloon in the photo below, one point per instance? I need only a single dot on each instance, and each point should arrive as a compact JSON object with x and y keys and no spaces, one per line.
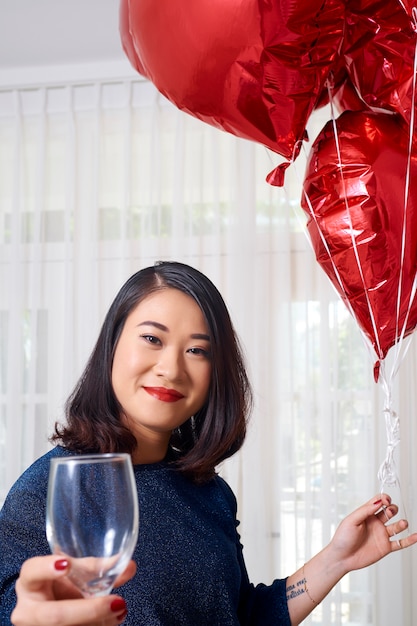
{"x":340,"y":90}
{"x":378,"y":49}
{"x":357,"y":217}
{"x":254,"y":68}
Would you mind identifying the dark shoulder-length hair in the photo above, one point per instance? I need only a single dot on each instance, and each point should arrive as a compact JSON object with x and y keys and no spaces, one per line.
{"x":94,"y":415}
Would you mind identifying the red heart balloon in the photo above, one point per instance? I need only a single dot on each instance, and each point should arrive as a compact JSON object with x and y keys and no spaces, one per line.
{"x":127,"y":42}
{"x":340,"y":90}
{"x":254,"y":68}
{"x":357,"y":217}
{"x":378,"y":50}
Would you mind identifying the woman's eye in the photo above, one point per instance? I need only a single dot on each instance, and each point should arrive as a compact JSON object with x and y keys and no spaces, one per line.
{"x":199,"y":352}
{"x":151,"y":339}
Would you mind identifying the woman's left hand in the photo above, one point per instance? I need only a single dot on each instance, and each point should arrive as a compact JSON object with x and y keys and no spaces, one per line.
{"x":361,"y":539}
{"x":367,"y":535}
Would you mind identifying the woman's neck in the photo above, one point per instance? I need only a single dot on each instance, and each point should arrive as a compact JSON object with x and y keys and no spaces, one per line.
{"x":150,"y":451}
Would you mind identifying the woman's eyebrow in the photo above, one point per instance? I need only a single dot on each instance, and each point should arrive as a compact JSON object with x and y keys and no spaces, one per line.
{"x":156,"y":324}
{"x":202,"y":336}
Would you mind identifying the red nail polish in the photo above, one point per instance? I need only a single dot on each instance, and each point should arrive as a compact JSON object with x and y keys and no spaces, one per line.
{"x":61,"y":564}
{"x":117,"y":605}
{"x":377,"y":502}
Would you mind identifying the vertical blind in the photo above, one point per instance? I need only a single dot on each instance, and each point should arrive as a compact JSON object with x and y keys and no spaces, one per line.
{"x":101,"y":178}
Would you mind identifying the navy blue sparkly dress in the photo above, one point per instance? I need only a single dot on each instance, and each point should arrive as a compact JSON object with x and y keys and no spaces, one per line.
{"x":190,"y":568}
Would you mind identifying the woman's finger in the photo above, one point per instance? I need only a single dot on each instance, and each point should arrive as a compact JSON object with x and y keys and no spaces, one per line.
{"x":375,"y":506}
{"x":38,"y":573}
{"x":387,"y":512}
{"x":110,"y":610}
{"x":403,"y":542}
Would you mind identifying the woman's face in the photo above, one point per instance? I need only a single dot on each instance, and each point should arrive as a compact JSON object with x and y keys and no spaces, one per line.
{"x":162,"y":368}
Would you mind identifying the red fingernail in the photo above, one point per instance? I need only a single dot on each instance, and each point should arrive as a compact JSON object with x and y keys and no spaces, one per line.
{"x":377,"y":502}
{"x":61,"y":564}
{"x":117,"y":605}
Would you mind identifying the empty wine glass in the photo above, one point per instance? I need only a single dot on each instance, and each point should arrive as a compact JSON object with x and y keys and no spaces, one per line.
{"x":92,"y":517}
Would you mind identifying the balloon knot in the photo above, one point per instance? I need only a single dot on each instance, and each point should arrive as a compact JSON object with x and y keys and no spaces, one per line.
{"x":277,"y":176}
{"x":377,"y":368}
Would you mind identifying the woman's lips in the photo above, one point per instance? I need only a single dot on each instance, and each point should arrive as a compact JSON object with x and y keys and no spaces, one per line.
{"x":166,"y":395}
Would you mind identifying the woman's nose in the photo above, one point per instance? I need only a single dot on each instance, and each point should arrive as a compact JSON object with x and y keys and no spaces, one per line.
{"x":170,"y":364}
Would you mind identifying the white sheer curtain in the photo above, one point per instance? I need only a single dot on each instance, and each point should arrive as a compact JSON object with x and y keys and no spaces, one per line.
{"x":100,"y":178}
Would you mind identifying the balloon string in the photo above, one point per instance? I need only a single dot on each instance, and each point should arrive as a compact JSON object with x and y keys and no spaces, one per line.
{"x":322,"y":237}
{"x":400,"y":343}
{"x":387,"y":473}
{"x":355,"y":248}
{"x":400,"y":335}
{"x":326,"y":246}
{"x":334,"y":266}
{"x":403,"y":5}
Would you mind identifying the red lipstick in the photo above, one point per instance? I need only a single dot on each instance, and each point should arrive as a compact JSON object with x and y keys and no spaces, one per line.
{"x":164,"y":394}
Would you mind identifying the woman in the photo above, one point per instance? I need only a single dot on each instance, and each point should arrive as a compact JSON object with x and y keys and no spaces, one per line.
{"x":166,"y":382}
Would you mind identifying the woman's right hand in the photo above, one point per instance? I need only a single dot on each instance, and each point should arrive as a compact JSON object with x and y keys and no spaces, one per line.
{"x":46,"y":597}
